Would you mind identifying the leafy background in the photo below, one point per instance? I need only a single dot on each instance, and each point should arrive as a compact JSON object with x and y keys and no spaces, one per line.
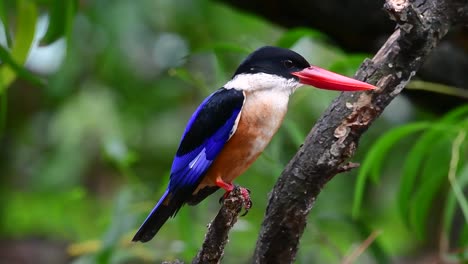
{"x":94,"y":96}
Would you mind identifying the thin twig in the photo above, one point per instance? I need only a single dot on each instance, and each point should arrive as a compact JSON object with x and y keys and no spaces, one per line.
{"x":359,"y":250}
{"x":438,"y":88}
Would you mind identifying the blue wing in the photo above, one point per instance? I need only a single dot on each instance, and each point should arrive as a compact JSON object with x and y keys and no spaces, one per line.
{"x":206,"y":134}
{"x":208,"y":130}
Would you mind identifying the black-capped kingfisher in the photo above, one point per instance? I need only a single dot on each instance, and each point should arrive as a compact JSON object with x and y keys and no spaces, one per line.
{"x":232,"y":127}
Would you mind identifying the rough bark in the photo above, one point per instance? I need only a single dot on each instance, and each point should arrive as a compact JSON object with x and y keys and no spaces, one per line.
{"x":217,"y":236}
{"x":334,"y":138}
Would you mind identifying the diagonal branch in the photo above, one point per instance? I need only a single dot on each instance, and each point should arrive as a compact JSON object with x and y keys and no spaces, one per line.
{"x":334,"y":138}
{"x":216,"y":238}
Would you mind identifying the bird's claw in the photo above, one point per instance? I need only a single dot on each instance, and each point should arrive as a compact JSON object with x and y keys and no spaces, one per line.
{"x":245,"y":193}
{"x":247,"y":201}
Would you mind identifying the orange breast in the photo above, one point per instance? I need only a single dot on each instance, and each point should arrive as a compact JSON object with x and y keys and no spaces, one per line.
{"x":261,"y":117}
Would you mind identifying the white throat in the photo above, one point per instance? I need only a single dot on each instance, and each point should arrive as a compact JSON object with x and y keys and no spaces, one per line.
{"x":263,"y":81}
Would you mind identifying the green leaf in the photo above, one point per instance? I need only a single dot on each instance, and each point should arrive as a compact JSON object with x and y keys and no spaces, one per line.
{"x":434,"y":169}
{"x":61,"y":13}
{"x":4,"y":19}
{"x":123,"y":221}
{"x":6,"y":58}
{"x":3,"y":110}
{"x":464,"y":236}
{"x":451,"y":203}
{"x":25,"y":29}
{"x":418,"y":152}
{"x":292,"y":36}
{"x":348,"y":64}
{"x":24,"y":35}
{"x":375,"y":158}
{"x":437,"y":88}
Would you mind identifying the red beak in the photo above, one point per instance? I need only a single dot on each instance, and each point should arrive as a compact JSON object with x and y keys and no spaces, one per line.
{"x":324,"y":79}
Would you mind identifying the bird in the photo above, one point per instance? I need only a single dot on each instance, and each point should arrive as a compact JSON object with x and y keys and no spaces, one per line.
{"x":232,"y":126}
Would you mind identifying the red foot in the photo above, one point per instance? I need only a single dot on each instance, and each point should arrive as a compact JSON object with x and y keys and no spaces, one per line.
{"x":230,"y":187}
{"x":246,"y":195}
{"x":247,"y":202}
{"x":226,"y":186}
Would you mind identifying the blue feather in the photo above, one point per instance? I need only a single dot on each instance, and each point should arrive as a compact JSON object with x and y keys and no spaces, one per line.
{"x":206,"y":133}
{"x":191,"y":167}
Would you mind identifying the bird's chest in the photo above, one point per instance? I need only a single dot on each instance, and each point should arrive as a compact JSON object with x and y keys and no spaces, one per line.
{"x":261,"y":117}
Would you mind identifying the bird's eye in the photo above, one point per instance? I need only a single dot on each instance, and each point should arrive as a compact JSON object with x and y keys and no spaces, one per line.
{"x":288,"y":64}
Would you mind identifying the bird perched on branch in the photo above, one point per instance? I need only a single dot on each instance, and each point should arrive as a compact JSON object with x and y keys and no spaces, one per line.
{"x":232,"y":127}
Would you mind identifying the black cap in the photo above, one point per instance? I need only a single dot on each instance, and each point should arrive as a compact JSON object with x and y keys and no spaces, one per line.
{"x":273,"y":60}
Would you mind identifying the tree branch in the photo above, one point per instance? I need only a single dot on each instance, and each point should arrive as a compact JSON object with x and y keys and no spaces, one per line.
{"x":217,"y":236}
{"x":334,"y":138}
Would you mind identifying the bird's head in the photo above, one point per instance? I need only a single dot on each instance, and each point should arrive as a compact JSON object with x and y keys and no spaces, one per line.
{"x":277,"y":68}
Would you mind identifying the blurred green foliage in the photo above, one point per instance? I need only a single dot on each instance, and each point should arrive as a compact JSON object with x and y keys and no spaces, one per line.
{"x":87,"y":143}
{"x":425,"y":169}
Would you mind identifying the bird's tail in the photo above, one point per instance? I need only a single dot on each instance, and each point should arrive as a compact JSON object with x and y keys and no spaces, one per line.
{"x":165,"y":208}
